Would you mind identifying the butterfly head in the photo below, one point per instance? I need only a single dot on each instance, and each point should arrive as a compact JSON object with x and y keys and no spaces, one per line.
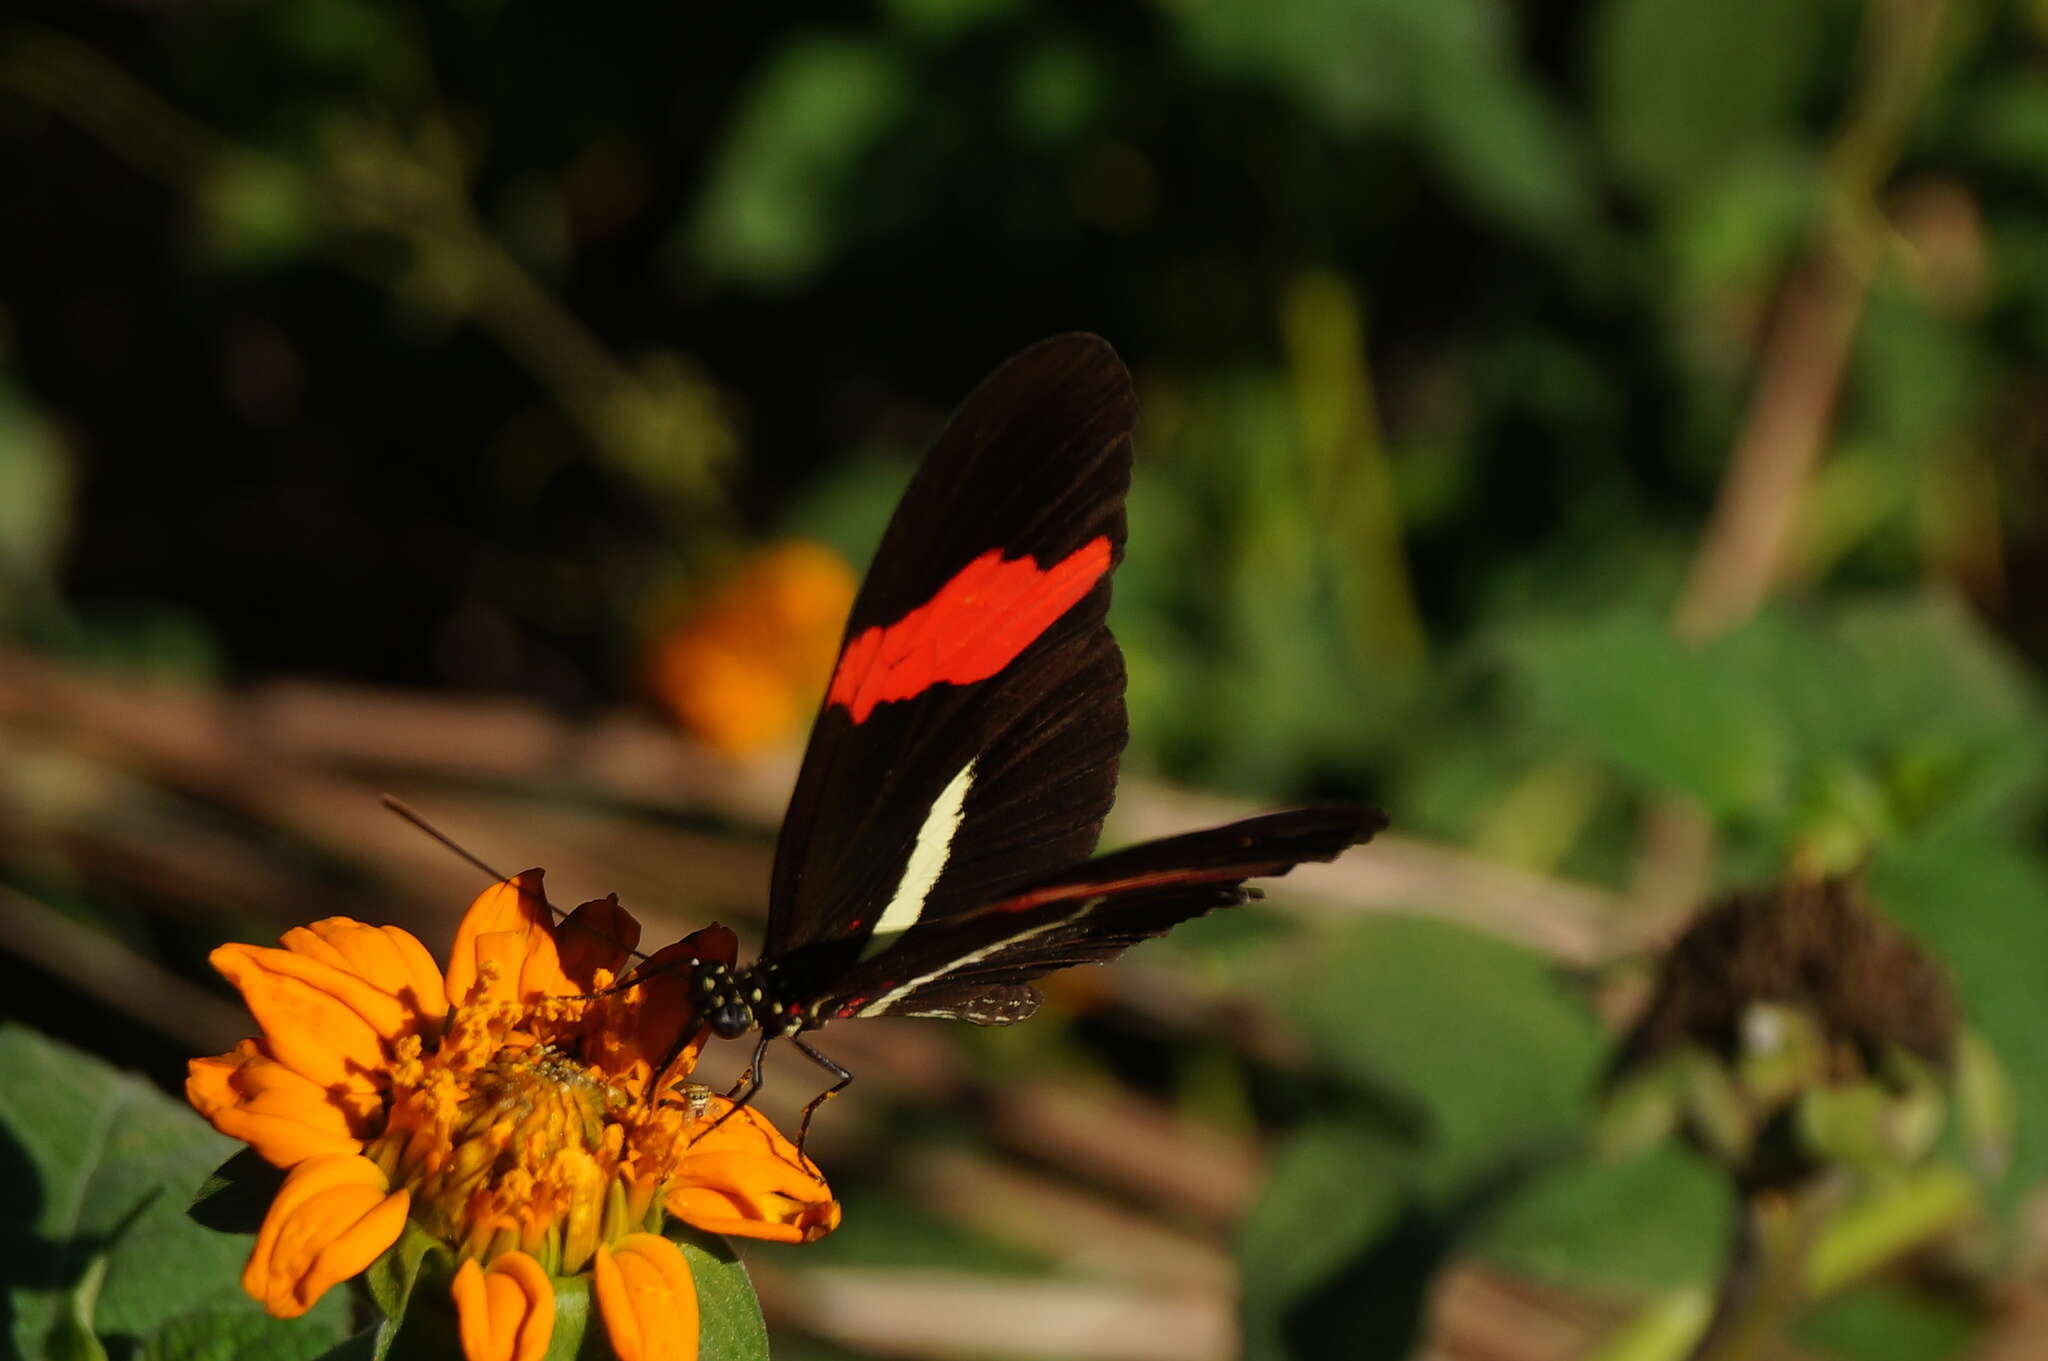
{"x":722,"y":999}
{"x":734,"y":1002}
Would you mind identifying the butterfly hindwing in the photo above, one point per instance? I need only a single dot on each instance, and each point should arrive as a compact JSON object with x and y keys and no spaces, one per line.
{"x":969,"y":739}
{"x":1000,"y":1004}
{"x":977,"y":965}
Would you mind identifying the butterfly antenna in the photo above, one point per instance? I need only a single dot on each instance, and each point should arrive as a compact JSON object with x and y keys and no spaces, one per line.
{"x":418,"y":819}
{"x":413,"y":815}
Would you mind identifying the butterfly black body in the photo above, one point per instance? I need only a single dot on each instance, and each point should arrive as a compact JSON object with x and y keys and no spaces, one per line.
{"x":936,"y":854}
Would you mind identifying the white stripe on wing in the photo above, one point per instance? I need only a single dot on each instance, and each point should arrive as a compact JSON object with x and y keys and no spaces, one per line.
{"x":974,"y":957}
{"x":927,"y":862}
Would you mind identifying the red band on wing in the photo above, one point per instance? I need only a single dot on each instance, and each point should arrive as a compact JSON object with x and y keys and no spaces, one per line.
{"x":972,"y":628}
{"x":1156,"y":879}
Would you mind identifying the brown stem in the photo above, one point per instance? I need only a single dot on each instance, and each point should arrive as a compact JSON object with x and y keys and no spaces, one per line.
{"x":1765,"y":1282}
{"x":1743,"y":552}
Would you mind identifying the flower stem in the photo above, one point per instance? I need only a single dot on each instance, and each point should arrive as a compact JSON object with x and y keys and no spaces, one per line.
{"x":1766,"y":1281}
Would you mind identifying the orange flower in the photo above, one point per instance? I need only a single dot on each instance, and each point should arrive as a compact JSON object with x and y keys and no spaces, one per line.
{"x":747,"y":665}
{"x":524,"y":1110}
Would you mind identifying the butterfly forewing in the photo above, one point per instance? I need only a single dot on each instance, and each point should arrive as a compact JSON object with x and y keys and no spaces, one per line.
{"x":969,"y":739}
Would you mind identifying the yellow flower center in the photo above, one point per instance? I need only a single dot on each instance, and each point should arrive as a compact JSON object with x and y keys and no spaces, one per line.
{"x":509,"y":1140}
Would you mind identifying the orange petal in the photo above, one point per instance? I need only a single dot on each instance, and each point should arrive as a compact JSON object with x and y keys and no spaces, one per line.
{"x":516,"y":907}
{"x":507,"y":1311}
{"x":285,"y":1117}
{"x":745,"y":1179}
{"x":506,"y":952}
{"x":598,"y":935}
{"x":388,"y":957}
{"x":323,"y":1022}
{"x":334,"y":1215}
{"x":647,"y":1298}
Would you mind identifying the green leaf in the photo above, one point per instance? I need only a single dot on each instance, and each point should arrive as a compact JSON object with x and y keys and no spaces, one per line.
{"x":771,"y":209}
{"x":1697,"y":720}
{"x":1654,"y":1222}
{"x":1982,"y":907}
{"x":1890,"y":1323}
{"x":364,"y":1346}
{"x":71,"y":1338}
{"x":238,"y":1194}
{"x":1685,"y":90}
{"x":1921,"y":373}
{"x":1957,"y":712}
{"x":429,"y":1330}
{"x":102,"y":1163}
{"x":1482,"y":1035}
{"x":1732,"y":235}
{"x":1897,"y":718}
{"x":1326,"y":1199}
{"x":1496,"y":134}
{"x":1479,"y":1064}
{"x":391,"y":1277}
{"x":240,"y":1335}
{"x":573,"y":1319}
{"x":1440,"y":71}
{"x":730,"y":1326}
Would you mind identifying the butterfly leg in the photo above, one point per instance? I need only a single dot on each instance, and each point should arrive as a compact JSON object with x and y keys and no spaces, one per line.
{"x":803,"y":1127}
{"x":742,"y":1093}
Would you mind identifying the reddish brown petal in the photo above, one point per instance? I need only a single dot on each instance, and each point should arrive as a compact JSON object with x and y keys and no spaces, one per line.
{"x":666,"y":1011}
{"x":598,"y":935}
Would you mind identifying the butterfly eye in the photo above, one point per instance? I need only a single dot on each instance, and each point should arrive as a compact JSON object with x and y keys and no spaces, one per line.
{"x":731,"y":1018}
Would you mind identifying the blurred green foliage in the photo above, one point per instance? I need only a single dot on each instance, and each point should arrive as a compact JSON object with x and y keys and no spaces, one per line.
{"x":434,"y":345}
{"x":97,"y":1243}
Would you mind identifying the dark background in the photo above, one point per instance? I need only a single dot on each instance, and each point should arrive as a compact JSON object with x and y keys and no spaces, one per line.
{"x":1608,"y":435}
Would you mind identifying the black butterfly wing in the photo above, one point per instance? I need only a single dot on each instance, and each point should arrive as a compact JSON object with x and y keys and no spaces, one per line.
{"x":969,"y":739}
{"x":977,"y":965}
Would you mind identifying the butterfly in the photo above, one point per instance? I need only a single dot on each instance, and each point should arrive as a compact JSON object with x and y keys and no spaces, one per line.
{"x":935,"y":858}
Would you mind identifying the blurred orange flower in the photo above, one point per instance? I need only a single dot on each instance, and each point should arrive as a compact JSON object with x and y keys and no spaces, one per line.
{"x":743,"y":669}
{"x":525,"y":1109}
